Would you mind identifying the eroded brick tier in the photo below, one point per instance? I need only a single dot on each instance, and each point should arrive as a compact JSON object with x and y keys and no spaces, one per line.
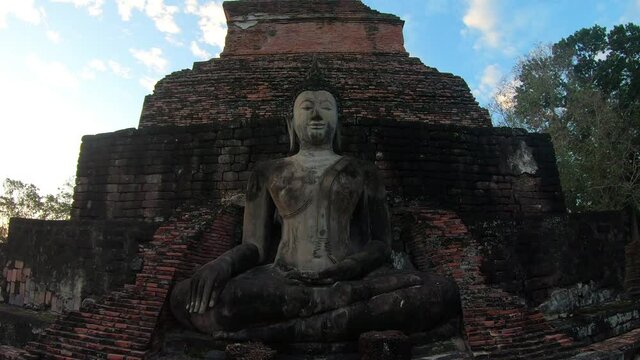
{"x":146,"y":173}
{"x":498,"y":325}
{"x":124,"y":324}
{"x":256,"y":87}
{"x":281,"y":27}
{"x":269,"y":49}
{"x":128,"y":323}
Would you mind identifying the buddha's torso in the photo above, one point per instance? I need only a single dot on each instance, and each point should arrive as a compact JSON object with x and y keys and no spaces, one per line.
{"x":316,"y":203}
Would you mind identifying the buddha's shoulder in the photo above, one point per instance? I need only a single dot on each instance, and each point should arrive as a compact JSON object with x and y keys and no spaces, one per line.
{"x":267,"y":168}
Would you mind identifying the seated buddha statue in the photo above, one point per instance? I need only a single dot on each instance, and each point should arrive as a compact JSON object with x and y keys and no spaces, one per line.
{"x":326,"y":274}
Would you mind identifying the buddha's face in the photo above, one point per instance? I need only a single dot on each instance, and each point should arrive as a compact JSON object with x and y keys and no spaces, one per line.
{"x":315,"y":117}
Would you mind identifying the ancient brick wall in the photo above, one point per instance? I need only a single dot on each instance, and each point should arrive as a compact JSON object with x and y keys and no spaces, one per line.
{"x":532,"y":257}
{"x":370,"y":86}
{"x":56,"y":264}
{"x":281,"y":27}
{"x":146,"y":173}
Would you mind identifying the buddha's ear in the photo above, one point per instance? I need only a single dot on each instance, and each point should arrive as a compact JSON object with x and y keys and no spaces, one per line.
{"x":293,"y":138}
{"x":337,"y":140}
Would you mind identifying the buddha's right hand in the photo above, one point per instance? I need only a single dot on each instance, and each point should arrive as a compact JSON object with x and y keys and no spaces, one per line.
{"x":210,"y":279}
{"x":207,"y":283}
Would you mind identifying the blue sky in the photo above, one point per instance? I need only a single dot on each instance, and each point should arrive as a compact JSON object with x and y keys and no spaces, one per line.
{"x":74,"y":67}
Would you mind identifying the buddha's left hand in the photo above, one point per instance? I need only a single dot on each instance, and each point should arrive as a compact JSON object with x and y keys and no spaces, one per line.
{"x":344,"y":270}
{"x":358,"y":264}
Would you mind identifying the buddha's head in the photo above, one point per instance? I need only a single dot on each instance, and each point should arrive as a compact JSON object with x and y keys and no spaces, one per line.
{"x":313,"y":120}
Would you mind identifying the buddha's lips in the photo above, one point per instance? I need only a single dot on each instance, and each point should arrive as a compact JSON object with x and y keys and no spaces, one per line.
{"x":317,"y":126}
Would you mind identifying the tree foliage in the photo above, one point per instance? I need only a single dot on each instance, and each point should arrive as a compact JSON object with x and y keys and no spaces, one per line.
{"x":585,"y":92}
{"x":24,"y":200}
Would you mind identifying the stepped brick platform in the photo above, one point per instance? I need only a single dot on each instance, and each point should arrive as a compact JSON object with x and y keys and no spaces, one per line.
{"x":127,"y":323}
{"x":12,"y":353}
{"x":146,"y":173}
{"x":498,"y":325}
{"x":269,"y":49}
{"x":123,"y":324}
{"x":625,"y":346}
{"x":371,"y":86}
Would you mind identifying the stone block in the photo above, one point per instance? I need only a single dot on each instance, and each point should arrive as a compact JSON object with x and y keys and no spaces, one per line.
{"x":225,"y":159}
{"x":230,"y":176}
{"x":384,"y":345}
{"x":249,"y":351}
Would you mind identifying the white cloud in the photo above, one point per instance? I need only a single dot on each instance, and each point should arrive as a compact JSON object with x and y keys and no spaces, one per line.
{"x":506,"y":96}
{"x":94,"y":7}
{"x":148,"y":83}
{"x":119,"y":70}
{"x":101,"y":66}
{"x":151,"y":58}
{"x":24,"y":10}
{"x":481,"y":16}
{"x":491,"y":77}
{"x":54,"y":36}
{"x":191,"y":6}
{"x":125,"y":7}
{"x":198,"y":52}
{"x":89,"y":71}
{"x":212,"y":21}
{"x":97,"y":64}
{"x":46,"y":122}
{"x":55,"y":74}
{"x":161,"y":14}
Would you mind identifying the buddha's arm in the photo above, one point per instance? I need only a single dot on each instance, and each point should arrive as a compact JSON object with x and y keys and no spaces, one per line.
{"x":210,"y":279}
{"x":258,"y":215}
{"x":373,"y":214}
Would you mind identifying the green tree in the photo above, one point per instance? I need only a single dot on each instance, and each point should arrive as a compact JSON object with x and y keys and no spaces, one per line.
{"x":24,"y":200}
{"x":585,"y":92}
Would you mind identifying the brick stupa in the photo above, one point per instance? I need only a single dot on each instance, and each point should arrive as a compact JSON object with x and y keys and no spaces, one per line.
{"x":480,"y":204}
{"x":268,"y":49}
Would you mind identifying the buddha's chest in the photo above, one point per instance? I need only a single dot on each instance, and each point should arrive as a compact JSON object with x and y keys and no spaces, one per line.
{"x":294,"y":190}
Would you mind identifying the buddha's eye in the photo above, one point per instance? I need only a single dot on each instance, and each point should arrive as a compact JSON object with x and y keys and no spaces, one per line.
{"x":306,"y":106}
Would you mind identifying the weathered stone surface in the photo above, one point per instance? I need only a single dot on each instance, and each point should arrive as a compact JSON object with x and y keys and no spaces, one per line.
{"x":535,"y":256}
{"x":281,"y":27}
{"x":329,"y":278}
{"x":462,"y":168}
{"x":55,"y":265}
{"x":258,"y":88}
{"x":249,"y":351}
{"x":384,"y":345}
{"x":19,"y":326}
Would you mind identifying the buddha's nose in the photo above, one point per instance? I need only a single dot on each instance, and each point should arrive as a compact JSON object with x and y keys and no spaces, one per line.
{"x":315,"y":115}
